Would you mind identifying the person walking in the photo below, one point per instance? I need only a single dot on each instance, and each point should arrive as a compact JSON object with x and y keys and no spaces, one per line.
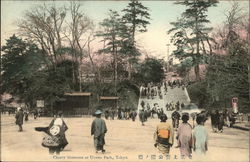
{"x":175,"y":119}
{"x":164,"y":135}
{"x":142,"y":116}
{"x":35,"y":113}
{"x":106,"y":114}
{"x":26,"y":115}
{"x":98,"y":130}
{"x":19,"y":118}
{"x":184,"y":137}
{"x":54,"y":138}
{"x":220,"y":122}
{"x":214,"y":121}
{"x":200,"y":137}
{"x":58,"y":122}
{"x":133,"y":115}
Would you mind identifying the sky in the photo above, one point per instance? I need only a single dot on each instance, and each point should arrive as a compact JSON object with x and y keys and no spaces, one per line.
{"x":153,"y":42}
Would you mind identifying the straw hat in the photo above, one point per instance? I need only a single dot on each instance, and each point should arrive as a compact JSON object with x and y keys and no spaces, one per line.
{"x":98,"y":112}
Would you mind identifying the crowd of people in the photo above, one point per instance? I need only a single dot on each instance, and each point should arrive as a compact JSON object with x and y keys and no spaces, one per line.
{"x":175,"y":83}
{"x":120,"y":113}
{"x":221,"y":118}
{"x":189,"y":138}
{"x":174,"y":106}
{"x":151,"y":90}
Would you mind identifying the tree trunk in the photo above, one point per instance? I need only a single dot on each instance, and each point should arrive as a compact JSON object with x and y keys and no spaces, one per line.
{"x":197,"y":72}
{"x":249,"y":79}
{"x":133,"y":44}
{"x":115,"y":59}
{"x":197,"y":59}
{"x":80,"y":77}
{"x":129,"y":70}
{"x":248,"y":41}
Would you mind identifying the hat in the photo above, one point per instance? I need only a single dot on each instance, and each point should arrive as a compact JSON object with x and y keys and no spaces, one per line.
{"x":19,"y":108}
{"x":98,"y":112}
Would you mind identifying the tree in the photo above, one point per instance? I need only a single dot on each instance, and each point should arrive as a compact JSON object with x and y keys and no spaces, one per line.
{"x":110,"y":36}
{"x":151,"y":70}
{"x":44,"y":25}
{"x":227,"y":74}
{"x":21,"y":61}
{"x":47,"y":26}
{"x":25,"y":75}
{"x":136,"y":18}
{"x":191,"y":34}
{"x":77,"y":30}
{"x":184,"y":67}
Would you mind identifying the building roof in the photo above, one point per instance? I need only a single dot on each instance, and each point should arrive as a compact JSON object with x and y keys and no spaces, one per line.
{"x":109,"y":98}
{"x":78,"y":94}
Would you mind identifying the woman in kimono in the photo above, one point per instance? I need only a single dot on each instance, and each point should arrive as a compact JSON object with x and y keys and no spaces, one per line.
{"x":58,"y":121}
{"x":164,"y":135}
{"x":200,"y":136}
{"x":55,"y":138}
{"x":184,"y":136}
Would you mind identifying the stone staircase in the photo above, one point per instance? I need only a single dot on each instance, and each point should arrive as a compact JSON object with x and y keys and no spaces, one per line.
{"x":172,"y":95}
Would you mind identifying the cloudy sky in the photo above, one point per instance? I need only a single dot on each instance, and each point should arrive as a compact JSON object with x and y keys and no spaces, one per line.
{"x":154,"y":41}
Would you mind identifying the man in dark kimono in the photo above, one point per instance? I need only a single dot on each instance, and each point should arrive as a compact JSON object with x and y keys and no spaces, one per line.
{"x":175,"y":119}
{"x":133,"y":115}
{"x":142,"y":116}
{"x":220,"y":122}
{"x":19,"y":118}
{"x":215,"y":120}
{"x":98,"y":129}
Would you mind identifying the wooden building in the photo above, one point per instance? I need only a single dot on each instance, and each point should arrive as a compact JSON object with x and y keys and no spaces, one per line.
{"x":109,"y":101}
{"x":75,"y":103}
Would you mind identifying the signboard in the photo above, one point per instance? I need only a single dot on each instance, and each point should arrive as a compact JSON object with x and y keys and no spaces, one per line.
{"x":39,"y":103}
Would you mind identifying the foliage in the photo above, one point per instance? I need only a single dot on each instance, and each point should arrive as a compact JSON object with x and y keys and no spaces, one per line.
{"x":184,"y":67}
{"x":228,"y":76}
{"x":26,"y":76}
{"x":191,"y":34}
{"x":21,"y":61}
{"x":151,"y":70}
{"x":198,"y":94}
{"x":127,"y":92}
{"x":228,"y":69}
{"x":136,"y":18}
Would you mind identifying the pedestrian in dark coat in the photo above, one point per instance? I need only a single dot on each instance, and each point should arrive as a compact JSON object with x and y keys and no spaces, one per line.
{"x":175,"y":119}
{"x":133,"y":115}
{"x":35,"y":113}
{"x":215,"y":120}
{"x":142,"y":116}
{"x":221,"y":122}
{"x":19,"y":118}
{"x":98,"y":129}
{"x":26,"y":115}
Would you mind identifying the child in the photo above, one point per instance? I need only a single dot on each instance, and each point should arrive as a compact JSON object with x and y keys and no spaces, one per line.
{"x":200,"y":136}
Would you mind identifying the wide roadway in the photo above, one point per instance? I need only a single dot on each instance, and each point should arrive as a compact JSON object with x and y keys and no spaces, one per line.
{"x":125,"y":141}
